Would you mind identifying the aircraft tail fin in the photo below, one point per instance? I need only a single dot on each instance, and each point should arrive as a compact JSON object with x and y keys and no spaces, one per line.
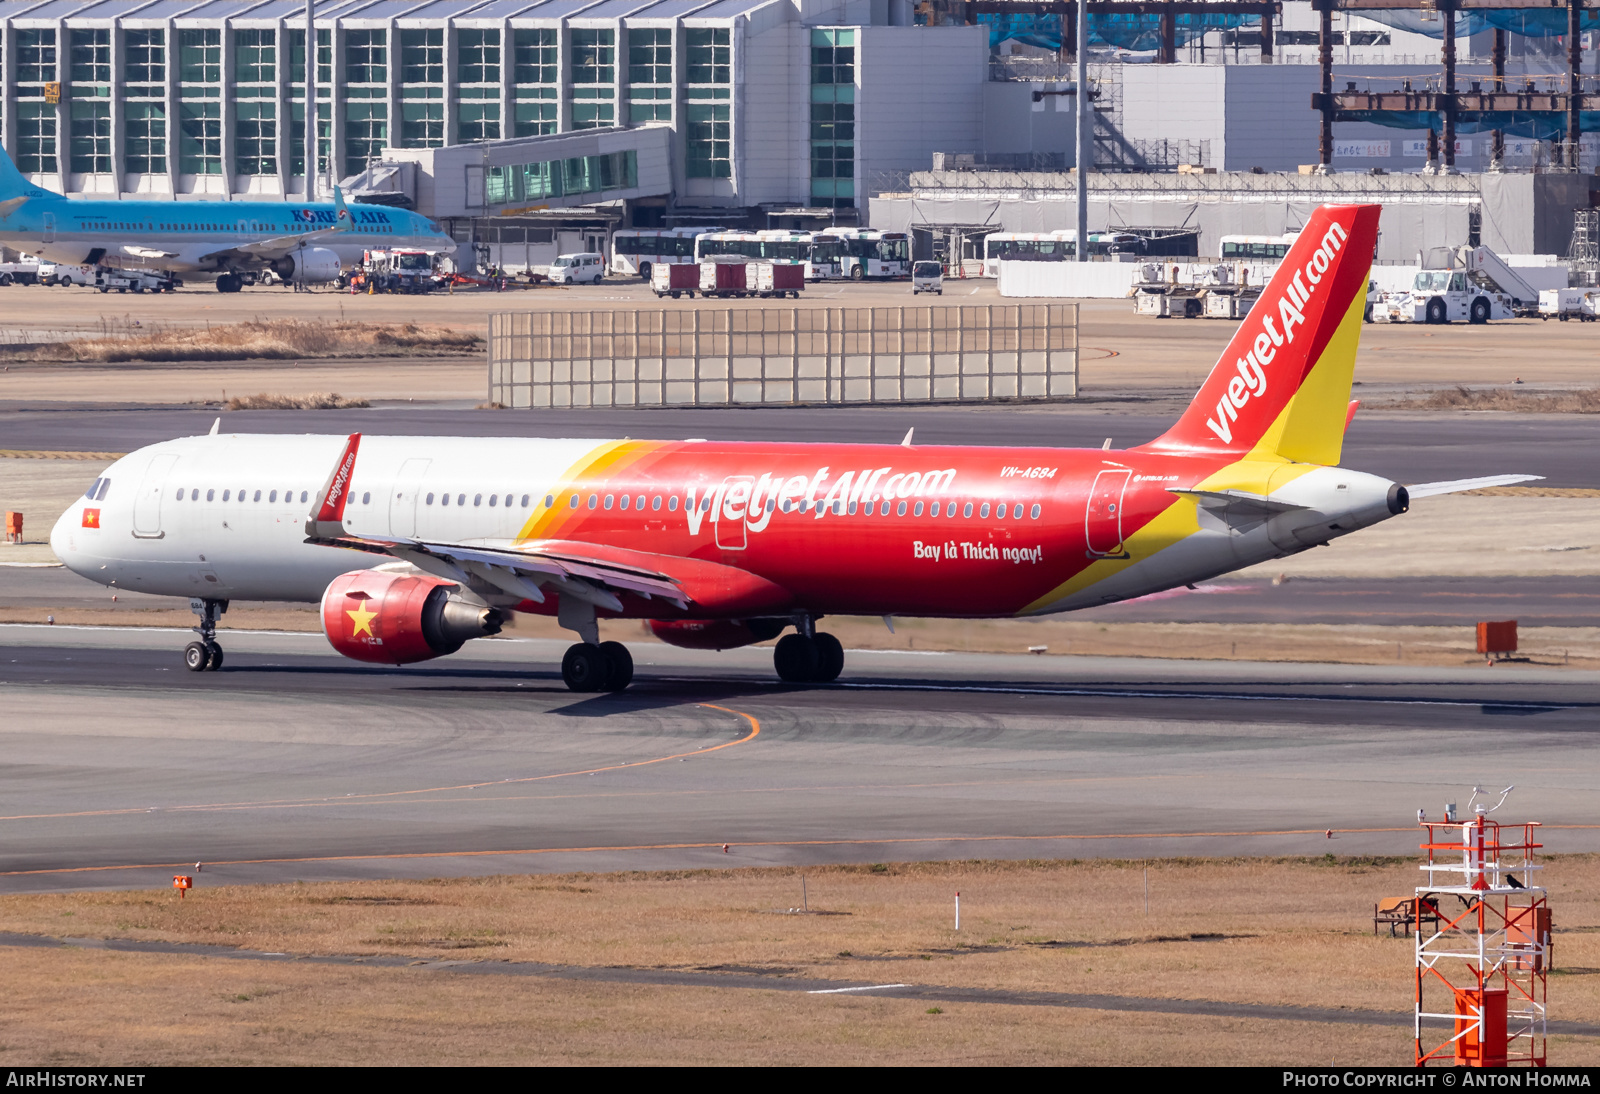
{"x":1282,"y":387}
{"x":13,"y":185}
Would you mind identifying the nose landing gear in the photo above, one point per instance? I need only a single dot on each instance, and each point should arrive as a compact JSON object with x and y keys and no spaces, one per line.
{"x":205,"y":654}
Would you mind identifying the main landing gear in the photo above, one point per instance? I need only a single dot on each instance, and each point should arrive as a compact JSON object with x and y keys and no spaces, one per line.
{"x":205,"y":654}
{"x":815,"y":658}
{"x":607,"y":666}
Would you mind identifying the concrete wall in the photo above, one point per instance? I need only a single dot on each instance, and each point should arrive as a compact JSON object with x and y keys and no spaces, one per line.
{"x":774,"y":116}
{"x":917,"y":94}
{"x":1013,"y":122}
{"x":1181,"y":103}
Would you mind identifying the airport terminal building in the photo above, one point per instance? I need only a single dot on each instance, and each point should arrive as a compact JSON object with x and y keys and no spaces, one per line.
{"x":765,"y":104}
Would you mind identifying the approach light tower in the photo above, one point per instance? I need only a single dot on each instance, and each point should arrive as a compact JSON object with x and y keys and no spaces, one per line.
{"x":1490,"y":947}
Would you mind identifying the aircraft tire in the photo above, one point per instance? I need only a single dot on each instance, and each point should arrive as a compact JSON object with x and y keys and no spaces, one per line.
{"x":620,"y":663}
{"x":796,"y":659}
{"x":196,"y":657}
{"x":585,"y":668}
{"x":830,"y":658}
{"x":214,"y":660}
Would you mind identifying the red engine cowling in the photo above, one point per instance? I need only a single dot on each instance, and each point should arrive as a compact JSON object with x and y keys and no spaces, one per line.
{"x":715,"y":634}
{"x":395,"y":619}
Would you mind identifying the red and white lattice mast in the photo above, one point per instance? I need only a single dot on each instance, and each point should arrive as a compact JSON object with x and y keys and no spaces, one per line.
{"x":1481,"y":969}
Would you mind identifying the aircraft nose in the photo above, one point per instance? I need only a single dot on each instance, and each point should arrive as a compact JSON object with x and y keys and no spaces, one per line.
{"x":63,"y":537}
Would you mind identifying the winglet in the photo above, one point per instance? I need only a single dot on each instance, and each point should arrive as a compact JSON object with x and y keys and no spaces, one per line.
{"x":1350,"y":415}
{"x":215,"y":427}
{"x":907,"y":442}
{"x":326,"y":520}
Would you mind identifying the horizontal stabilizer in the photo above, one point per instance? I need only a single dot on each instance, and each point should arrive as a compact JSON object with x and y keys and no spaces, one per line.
{"x":1455,"y":486}
{"x":1237,"y":502}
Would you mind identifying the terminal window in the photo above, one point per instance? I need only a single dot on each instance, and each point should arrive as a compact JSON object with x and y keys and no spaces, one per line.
{"x":366,"y":57}
{"x":535,"y":117}
{"x":255,"y":56}
{"x":535,"y":59}
{"x":36,"y":138}
{"x":709,"y":56}
{"x":297,"y":137}
{"x":200,"y":144}
{"x":144,"y":139}
{"x":594,"y":56}
{"x":833,"y":118}
{"x":297,"y":57}
{"x":478,"y":121}
{"x":36,"y":57}
{"x":477,"y":56}
{"x":91,"y":137}
{"x":255,"y":138}
{"x":91,"y":55}
{"x":144,"y":56}
{"x":649,"y":75}
{"x":366,"y":131}
{"x":422,"y":124}
{"x":422,"y":57}
{"x":709,"y":147}
{"x":200,"y":56}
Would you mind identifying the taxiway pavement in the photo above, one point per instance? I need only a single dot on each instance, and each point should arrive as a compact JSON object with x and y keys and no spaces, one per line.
{"x":291,"y":763}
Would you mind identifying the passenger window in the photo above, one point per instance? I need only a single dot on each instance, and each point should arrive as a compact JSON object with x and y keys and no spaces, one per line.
{"x":838,"y":508}
{"x":242,"y":495}
{"x":444,"y":499}
{"x":624,"y":502}
{"x":594,"y":500}
{"x":966,"y":510}
{"x":900,"y":510}
{"x":302,"y":495}
{"x":916,"y":510}
{"x":508,"y":500}
{"x":494,"y":499}
{"x":610,"y":498}
{"x":574,"y":503}
{"x":461,"y":499}
{"x":100,"y":494}
{"x":549,"y":501}
{"x":272,"y":496}
{"x":1035,"y":512}
{"x":639,"y":504}
{"x":983,"y":512}
{"x":366,"y":498}
{"x":477,"y":499}
{"x":883,"y":510}
{"x":526,"y":498}
{"x":225,"y":495}
{"x":180,"y":493}
{"x":430,"y":499}
{"x":672,"y":504}
{"x":258,"y":495}
{"x":705,"y":504}
{"x":655,"y":502}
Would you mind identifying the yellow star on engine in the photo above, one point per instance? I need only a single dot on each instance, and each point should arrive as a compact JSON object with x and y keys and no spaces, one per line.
{"x":363,"y":619}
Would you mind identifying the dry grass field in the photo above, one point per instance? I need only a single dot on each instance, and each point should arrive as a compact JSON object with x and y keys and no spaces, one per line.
{"x":1294,"y":932}
{"x":252,"y":340}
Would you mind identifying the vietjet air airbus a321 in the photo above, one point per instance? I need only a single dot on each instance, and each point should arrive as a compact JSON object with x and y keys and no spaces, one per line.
{"x":414,"y":545}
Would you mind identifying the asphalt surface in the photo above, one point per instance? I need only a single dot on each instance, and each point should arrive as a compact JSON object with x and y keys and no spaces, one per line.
{"x":1409,"y":601}
{"x":118,"y":766}
{"x":1409,"y":447}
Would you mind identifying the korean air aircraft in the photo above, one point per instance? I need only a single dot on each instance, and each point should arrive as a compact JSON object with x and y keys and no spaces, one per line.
{"x":224,"y":239}
{"x":415,"y":545}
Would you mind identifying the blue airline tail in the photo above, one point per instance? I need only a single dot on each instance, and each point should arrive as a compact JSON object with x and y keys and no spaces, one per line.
{"x":14,"y":185}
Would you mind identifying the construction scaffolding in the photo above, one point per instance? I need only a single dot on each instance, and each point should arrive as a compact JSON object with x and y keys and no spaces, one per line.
{"x":1481,"y":966}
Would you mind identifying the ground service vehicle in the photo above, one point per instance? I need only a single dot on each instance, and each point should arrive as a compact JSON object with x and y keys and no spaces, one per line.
{"x":1442,"y":296}
{"x":674,"y":280}
{"x":1564,"y":304}
{"x":59,"y":273}
{"x":413,"y":546}
{"x":927,"y":276}
{"x":777,"y":279}
{"x":640,"y":250}
{"x":399,"y":271}
{"x":21,"y":270}
{"x":577,"y":269}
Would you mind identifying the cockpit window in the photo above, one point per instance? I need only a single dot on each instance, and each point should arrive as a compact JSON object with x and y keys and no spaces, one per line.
{"x":93,"y":486}
{"x":100,"y":494}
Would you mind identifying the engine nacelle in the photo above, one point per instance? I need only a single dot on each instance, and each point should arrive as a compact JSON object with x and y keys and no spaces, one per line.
{"x":715,"y":634}
{"x":395,"y":619}
{"x":317,"y":265}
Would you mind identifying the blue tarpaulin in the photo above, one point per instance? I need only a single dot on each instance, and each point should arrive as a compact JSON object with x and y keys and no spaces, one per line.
{"x":1139,"y":33}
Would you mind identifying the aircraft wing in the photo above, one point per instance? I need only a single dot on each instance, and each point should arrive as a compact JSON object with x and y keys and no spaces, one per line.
{"x":278,"y":246}
{"x":137,"y":251}
{"x":524,"y":569}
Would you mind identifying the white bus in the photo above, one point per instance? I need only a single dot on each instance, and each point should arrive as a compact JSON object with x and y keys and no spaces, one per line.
{"x":635,"y":250}
{"x":1270,"y":248}
{"x":1038,"y":246}
{"x":709,"y":244}
{"x":871,"y":253}
{"x":819,"y":254}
